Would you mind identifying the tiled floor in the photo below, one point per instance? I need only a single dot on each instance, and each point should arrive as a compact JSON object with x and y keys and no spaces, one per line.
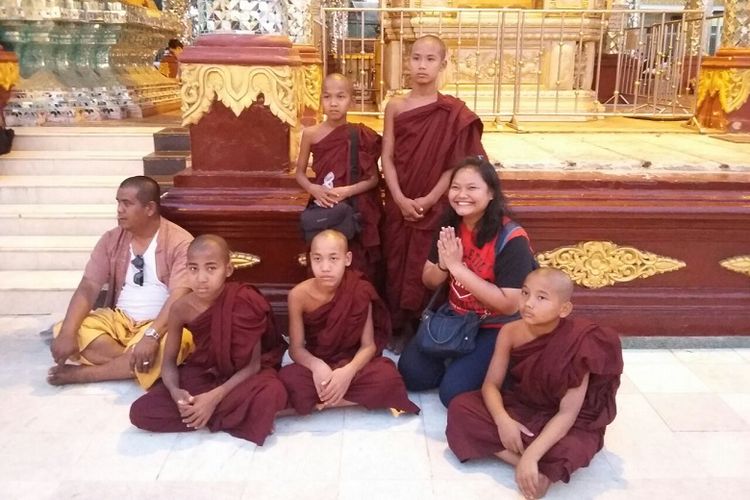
{"x":682,"y":431}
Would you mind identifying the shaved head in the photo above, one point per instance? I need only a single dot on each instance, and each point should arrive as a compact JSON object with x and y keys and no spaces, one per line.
{"x":434,"y":39}
{"x":331,"y":235}
{"x":557,"y":281}
{"x":211,"y":242}
{"x":336,"y":80}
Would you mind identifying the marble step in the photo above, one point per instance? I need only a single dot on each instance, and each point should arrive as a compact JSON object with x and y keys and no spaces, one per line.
{"x":52,"y":220}
{"x":59,"y":189}
{"x":124,"y":163}
{"x":37,"y":292}
{"x":93,"y":138}
{"x":54,"y":253}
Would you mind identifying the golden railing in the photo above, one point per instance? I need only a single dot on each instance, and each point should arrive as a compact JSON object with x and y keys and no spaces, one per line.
{"x":511,"y":64}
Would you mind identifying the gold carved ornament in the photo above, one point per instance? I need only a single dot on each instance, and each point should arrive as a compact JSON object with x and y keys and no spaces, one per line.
{"x":237,"y":87}
{"x":596,"y":264}
{"x":8,"y":74}
{"x":312,"y":86}
{"x":732,"y":85}
{"x":739,"y":264}
{"x":242,"y":260}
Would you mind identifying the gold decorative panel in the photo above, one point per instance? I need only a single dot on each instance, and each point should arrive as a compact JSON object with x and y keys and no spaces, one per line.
{"x":732,"y":85}
{"x":8,"y":74}
{"x":596,"y":264}
{"x":739,"y":264}
{"x":237,"y":87}
{"x":242,"y":260}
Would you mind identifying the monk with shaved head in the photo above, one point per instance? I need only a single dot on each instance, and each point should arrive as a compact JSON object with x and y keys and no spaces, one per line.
{"x":338,"y":327}
{"x":549,"y":392}
{"x":425,"y":135}
{"x":229,"y":383}
{"x":334,"y":143}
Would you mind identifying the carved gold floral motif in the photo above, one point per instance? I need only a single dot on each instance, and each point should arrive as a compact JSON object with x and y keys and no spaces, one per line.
{"x":739,"y":264}
{"x":242,"y":260}
{"x":237,"y":87}
{"x":732,"y":85}
{"x":313,"y":75}
{"x":596,"y":264}
{"x":8,"y":74}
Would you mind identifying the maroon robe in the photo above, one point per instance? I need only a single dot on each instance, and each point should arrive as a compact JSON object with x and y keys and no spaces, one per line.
{"x":225,"y":336}
{"x":540,"y":374}
{"x":333,"y":333}
{"x":428,"y":141}
{"x":331,"y":154}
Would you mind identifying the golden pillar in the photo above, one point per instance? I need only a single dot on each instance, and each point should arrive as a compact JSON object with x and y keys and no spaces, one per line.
{"x":724,"y":85}
{"x":8,"y":77}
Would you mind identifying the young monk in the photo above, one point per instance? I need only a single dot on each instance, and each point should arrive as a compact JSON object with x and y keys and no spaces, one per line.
{"x":425,"y":134}
{"x":229,"y":383}
{"x":558,"y":377}
{"x":329,"y":143}
{"x":338,"y":327}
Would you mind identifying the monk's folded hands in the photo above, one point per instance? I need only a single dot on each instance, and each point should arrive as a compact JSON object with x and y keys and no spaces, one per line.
{"x":527,"y":476}
{"x":202,"y":408}
{"x":510,"y":434}
{"x":335,"y":389}
{"x":321,"y":373}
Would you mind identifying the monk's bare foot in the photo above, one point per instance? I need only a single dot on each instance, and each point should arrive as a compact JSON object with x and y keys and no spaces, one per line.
{"x":543,"y":485}
{"x":67,"y":374}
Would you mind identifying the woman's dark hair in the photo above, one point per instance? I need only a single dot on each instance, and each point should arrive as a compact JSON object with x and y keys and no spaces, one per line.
{"x":492,"y":220}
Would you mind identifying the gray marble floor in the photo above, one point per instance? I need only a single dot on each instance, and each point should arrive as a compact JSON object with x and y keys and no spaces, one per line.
{"x":682,"y":431}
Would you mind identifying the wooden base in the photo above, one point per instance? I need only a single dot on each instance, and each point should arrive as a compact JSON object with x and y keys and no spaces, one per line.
{"x":697,"y":219}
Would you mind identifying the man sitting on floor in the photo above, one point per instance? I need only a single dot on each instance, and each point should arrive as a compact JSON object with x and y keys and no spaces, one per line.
{"x":143,"y":262}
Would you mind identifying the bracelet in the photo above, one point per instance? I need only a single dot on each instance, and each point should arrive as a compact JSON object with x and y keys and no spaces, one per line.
{"x":441,"y":268}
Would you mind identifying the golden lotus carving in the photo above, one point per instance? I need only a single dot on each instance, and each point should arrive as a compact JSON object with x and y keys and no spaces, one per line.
{"x":732,"y":85}
{"x":241,"y":260}
{"x":237,"y":87}
{"x":596,"y":264}
{"x":8,"y":74}
{"x":739,"y":264}
{"x":313,"y":81}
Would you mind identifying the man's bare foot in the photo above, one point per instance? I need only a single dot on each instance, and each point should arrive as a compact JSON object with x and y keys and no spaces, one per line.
{"x":543,"y":485}
{"x":67,"y":374}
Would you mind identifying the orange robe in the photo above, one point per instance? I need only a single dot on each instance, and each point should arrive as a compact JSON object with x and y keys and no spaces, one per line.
{"x":539,"y":375}
{"x":333,"y":333}
{"x":331,"y":154}
{"x":428,"y":141}
{"x":225,"y":335}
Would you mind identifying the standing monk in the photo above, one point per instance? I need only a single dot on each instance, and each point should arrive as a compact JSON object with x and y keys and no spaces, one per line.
{"x":142,"y":262}
{"x":338,"y":327}
{"x":229,"y":383}
{"x":549,"y":392}
{"x":426,"y":133}
{"x":330,"y":144}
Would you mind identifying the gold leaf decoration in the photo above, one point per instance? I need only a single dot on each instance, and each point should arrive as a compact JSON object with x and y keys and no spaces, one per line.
{"x":237,"y":87}
{"x":242,"y":260}
{"x":596,"y":264}
{"x":739,"y":264}
{"x":313,"y":81}
{"x":732,"y":85}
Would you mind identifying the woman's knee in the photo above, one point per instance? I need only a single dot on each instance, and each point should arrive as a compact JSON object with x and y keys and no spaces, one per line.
{"x":420,"y":373}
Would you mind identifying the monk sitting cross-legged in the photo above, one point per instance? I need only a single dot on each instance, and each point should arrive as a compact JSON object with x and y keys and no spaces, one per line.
{"x":559,"y":378}
{"x":229,"y":383}
{"x":338,"y":327}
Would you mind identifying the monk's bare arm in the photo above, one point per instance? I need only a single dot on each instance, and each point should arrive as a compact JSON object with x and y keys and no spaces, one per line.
{"x":66,"y":344}
{"x":367,"y":348}
{"x":303,"y":160}
{"x":494,"y":298}
{"x":297,"y":350}
{"x":560,"y":424}
{"x":241,"y":375}
{"x":432,"y":275}
{"x":495,"y":377}
{"x":177,"y":320}
{"x":389,"y":168}
{"x":161,"y":321}
{"x":358,"y":188}
{"x":437,"y":191}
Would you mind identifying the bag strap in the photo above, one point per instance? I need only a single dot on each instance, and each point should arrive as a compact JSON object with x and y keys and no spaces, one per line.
{"x":353,"y":161}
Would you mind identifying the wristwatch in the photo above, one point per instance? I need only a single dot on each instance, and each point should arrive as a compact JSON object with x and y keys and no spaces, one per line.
{"x":152,"y":333}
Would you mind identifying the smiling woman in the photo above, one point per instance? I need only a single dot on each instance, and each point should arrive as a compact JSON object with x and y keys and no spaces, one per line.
{"x":483,"y":256}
